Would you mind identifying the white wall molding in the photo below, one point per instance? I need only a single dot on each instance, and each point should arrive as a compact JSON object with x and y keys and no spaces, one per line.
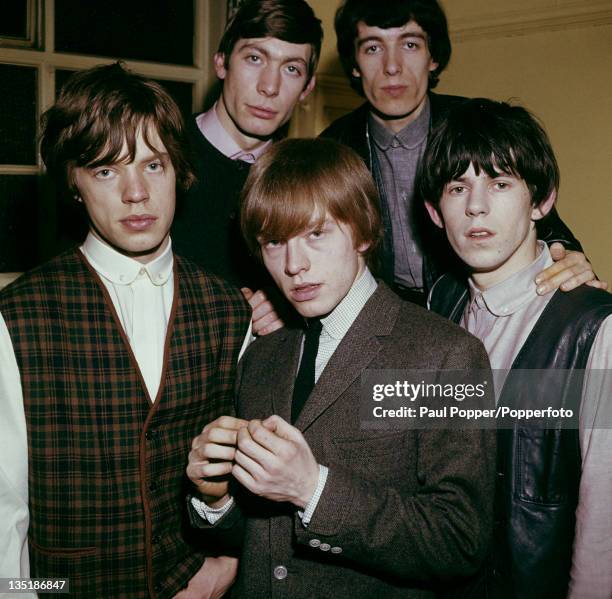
{"x":543,"y":16}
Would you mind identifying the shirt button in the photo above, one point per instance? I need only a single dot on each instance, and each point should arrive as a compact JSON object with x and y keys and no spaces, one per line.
{"x":336,"y":550}
{"x":122,"y":277}
{"x":155,"y":539}
{"x":395,"y":143}
{"x":324,"y":546}
{"x":314,"y":542}
{"x":141,"y":271}
{"x":280,"y":572}
{"x":153,"y":486}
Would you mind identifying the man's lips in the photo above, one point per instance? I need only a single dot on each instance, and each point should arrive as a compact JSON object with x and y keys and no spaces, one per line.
{"x":305,"y":292}
{"x":479,"y":233}
{"x":139,"y":222}
{"x":261,"y":112}
{"x":394,"y":90}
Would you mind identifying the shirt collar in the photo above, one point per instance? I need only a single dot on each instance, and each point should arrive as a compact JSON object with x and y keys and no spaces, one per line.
{"x":510,"y":295}
{"x":212,"y":129}
{"x":411,"y":136}
{"x":123,"y":270}
{"x":339,"y":320}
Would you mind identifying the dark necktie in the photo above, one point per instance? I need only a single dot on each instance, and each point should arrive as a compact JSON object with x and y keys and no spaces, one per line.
{"x":305,"y":379}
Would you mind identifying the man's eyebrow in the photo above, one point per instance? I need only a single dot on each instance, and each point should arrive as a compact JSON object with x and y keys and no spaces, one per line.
{"x":154,"y":155}
{"x":264,"y":51}
{"x":377,"y":38}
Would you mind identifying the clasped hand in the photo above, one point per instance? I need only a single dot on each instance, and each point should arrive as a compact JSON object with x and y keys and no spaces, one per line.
{"x":270,"y":458}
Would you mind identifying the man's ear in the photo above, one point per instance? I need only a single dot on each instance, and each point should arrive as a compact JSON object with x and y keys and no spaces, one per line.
{"x":434,"y":214}
{"x":363,"y":247}
{"x":220,"y":69}
{"x":309,"y":87}
{"x":545,"y":207}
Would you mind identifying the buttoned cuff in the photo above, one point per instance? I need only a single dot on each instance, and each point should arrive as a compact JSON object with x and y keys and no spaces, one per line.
{"x":311,"y":506}
{"x":212,"y":515}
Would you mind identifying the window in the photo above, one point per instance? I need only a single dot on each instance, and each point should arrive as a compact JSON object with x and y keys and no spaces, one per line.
{"x":41,"y":43}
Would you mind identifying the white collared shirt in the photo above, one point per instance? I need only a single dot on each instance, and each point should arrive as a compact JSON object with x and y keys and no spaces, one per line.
{"x":337,"y":323}
{"x":142,"y":296}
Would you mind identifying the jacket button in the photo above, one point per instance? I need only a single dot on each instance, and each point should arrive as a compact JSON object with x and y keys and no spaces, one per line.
{"x":314,"y":542}
{"x":324,"y":546}
{"x":500,"y":475}
{"x":280,"y":572}
{"x":153,"y":486}
{"x":151,"y":435}
{"x":336,"y":550}
{"x":155,"y":539}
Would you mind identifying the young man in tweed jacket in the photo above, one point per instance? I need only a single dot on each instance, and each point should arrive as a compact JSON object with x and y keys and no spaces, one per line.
{"x":327,"y":507}
{"x":114,"y":355}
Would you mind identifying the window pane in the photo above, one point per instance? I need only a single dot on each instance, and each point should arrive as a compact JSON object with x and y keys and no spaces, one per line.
{"x":14,"y":21}
{"x":180,"y":91}
{"x":155,"y":31}
{"x":17,"y":115}
{"x":18,"y":222}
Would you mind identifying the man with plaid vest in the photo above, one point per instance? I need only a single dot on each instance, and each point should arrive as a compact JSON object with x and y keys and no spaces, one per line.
{"x":114,"y":356}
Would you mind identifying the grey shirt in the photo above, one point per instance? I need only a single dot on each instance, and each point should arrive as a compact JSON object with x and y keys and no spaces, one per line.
{"x":398,"y":156}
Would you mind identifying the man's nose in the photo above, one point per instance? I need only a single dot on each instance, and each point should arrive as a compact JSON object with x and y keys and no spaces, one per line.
{"x":269,"y":81}
{"x":296,"y":259}
{"x":392,"y":64}
{"x":477,"y":201}
{"x":135,"y":188}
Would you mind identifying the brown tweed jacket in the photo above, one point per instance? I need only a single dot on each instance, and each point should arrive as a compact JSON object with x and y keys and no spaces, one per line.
{"x":403,"y":513}
{"x":106,"y":464}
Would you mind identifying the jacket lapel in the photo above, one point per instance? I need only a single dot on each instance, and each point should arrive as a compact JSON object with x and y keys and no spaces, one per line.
{"x":281,"y":374}
{"x":358,"y":348}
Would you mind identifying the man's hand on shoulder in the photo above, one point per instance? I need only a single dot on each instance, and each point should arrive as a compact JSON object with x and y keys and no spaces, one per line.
{"x":570,"y":270}
{"x":273,"y":460}
{"x":265,"y":319}
{"x":211,"y":459}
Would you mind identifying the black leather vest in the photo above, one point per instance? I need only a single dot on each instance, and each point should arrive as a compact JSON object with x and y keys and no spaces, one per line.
{"x":538,"y":470}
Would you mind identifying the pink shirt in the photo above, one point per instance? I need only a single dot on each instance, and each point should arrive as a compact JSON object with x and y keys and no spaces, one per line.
{"x":212,"y":129}
{"x":502,"y":317}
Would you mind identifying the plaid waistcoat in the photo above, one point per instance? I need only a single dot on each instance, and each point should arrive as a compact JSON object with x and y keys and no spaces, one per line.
{"x":106,"y":465}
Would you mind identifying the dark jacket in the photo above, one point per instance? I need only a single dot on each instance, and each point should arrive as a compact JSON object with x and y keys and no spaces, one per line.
{"x":106,"y":464}
{"x":438,"y":257}
{"x":538,"y":469}
{"x":403,"y":512}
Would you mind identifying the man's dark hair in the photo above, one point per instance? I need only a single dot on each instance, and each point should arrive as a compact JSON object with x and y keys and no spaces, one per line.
{"x":495,"y":137}
{"x":386,"y":14}
{"x":291,"y":21}
{"x":101,"y":108}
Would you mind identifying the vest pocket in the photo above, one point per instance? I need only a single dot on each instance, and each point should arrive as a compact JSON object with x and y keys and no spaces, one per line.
{"x":65,"y":552}
{"x":539,"y":469}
